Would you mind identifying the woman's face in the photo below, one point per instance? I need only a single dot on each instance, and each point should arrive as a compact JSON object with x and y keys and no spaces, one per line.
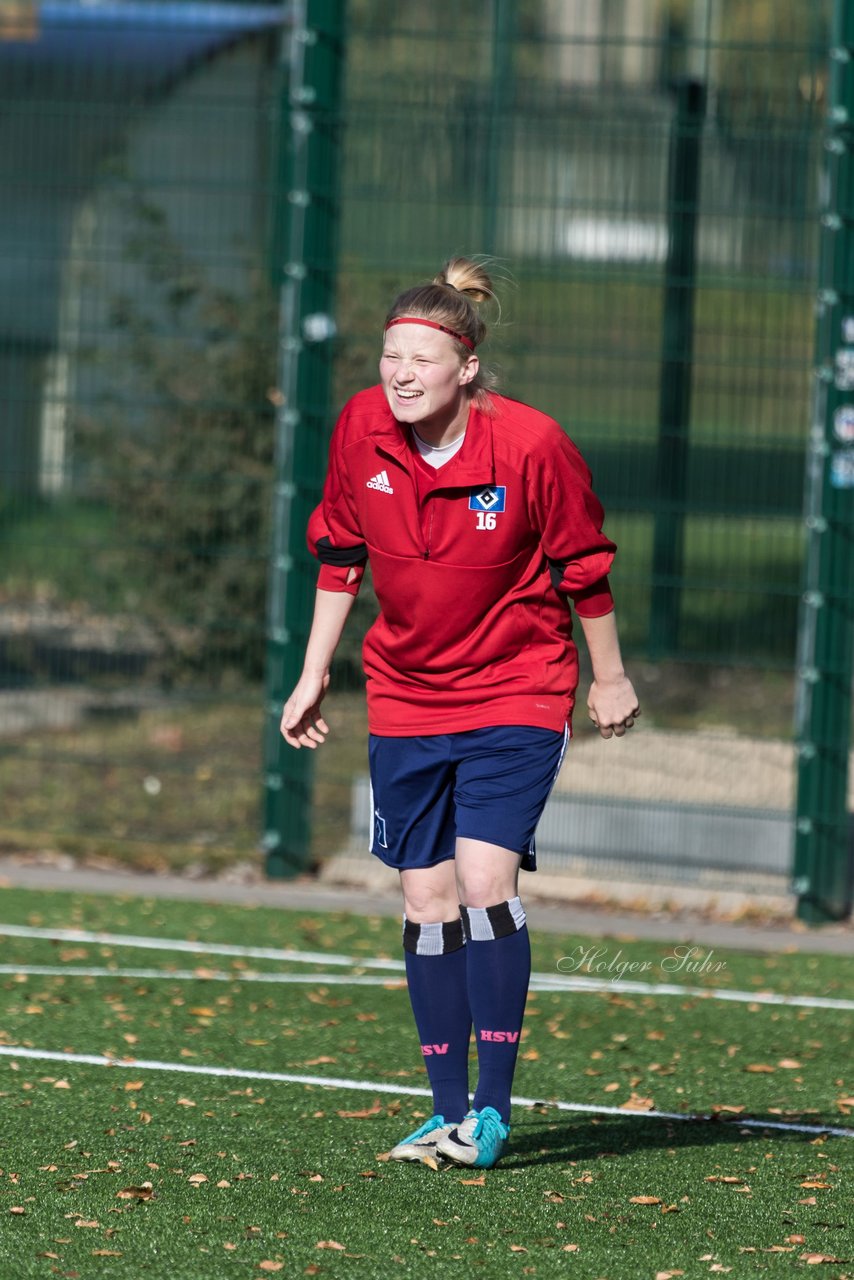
{"x":422,"y":375}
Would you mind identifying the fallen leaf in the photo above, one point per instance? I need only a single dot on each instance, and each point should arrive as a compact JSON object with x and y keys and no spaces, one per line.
{"x":83,"y":1223}
{"x":760,"y":1067}
{"x":430,"y":1162}
{"x":473,"y":1182}
{"x":133,"y":1086}
{"x":106,"y":1253}
{"x":789,"y":1064}
{"x":18,"y":1209}
{"x":197,"y":1178}
{"x":269,"y":1265}
{"x":667,"y":1275}
{"x":61,"y":1084}
{"x":223,"y":1183}
{"x":816,"y":1185}
{"x":373,"y":1110}
{"x":569,"y":1248}
{"x":143,"y":1192}
{"x":636,"y":1103}
{"x":228,"y":1245}
{"x":316,"y":1062}
{"x":185,"y":1102}
{"x":819,"y":1257}
{"x":644,"y":1200}
{"x":328,"y":1244}
{"x":518,"y":1248}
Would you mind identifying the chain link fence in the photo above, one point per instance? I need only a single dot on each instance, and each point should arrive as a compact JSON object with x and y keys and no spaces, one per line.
{"x":645,"y":174}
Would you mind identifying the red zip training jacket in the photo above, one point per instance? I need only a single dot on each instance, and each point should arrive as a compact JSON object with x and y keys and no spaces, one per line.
{"x":470,"y":563}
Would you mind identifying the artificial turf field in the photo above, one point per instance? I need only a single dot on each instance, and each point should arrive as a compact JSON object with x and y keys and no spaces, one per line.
{"x":140,"y":1169}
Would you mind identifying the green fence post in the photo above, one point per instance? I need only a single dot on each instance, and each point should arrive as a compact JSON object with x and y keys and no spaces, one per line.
{"x":677,"y":349}
{"x":500,"y":94}
{"x":303,"y":248}
{"x":823,"y":853}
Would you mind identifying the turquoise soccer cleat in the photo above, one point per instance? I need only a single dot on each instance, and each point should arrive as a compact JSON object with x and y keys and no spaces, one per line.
{"x":479,"y":1141}
{"x":422,"y":1142}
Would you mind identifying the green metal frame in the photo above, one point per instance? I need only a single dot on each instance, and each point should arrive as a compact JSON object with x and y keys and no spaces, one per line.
{"x":677,"y":354}
{"x":303,"y":257}
{"x":822,"y":876}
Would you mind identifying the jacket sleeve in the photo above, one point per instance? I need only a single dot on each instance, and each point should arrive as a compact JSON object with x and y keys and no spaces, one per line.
{"x":333,"y":535}
{"x":569,"y":518}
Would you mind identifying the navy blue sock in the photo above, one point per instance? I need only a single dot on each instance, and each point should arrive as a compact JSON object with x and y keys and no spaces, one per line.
{"x":498,"y":963}
{"x":436,"y":973}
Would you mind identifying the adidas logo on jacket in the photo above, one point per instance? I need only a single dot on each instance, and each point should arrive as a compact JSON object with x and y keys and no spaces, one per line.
{"x":381,"y":482}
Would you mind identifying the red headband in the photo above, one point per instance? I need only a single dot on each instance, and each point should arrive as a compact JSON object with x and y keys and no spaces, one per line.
{"x":431,"y":324}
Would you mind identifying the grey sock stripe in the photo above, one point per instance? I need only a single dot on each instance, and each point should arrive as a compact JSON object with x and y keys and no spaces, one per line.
{"x":429,"y":939}
{"x":483,"y":924}
{"x":517,"y":911}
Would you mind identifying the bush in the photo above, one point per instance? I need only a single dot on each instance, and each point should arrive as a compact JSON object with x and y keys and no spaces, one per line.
{"x":179,"y":442}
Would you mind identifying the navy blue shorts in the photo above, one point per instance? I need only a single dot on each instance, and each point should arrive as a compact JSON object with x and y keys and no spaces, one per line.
{"x":485,"y":784}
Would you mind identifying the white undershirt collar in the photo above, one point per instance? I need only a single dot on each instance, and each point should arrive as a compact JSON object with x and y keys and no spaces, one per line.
{"x":437,"y":455}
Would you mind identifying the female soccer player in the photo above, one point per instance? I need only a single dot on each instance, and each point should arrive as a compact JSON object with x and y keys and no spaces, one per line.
{"x":478,"y":520}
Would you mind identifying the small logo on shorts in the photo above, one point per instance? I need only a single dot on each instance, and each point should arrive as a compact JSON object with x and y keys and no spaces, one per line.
{"x":380,"y":837}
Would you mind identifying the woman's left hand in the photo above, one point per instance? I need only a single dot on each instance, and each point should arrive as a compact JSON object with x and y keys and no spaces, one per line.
{"x":613,"y":706}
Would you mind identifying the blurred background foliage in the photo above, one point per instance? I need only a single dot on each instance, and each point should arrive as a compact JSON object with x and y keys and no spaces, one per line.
{"x":140,"y":353}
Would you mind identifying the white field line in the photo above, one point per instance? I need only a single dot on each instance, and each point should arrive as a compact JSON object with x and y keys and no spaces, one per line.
{"x":196,"y":948}
{"x":209,"y":975}
{"x":550,"y":982}
{"x":373,"y":1086}
{"x":540,"y":982}
{"x":543,"y":981}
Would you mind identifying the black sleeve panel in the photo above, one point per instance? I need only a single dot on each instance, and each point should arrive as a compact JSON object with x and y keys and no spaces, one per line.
{"x":557,"y":568}
{"x":340,"y":556}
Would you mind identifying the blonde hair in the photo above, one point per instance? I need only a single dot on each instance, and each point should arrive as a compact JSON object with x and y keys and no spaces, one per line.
{"x":451,"y":299}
